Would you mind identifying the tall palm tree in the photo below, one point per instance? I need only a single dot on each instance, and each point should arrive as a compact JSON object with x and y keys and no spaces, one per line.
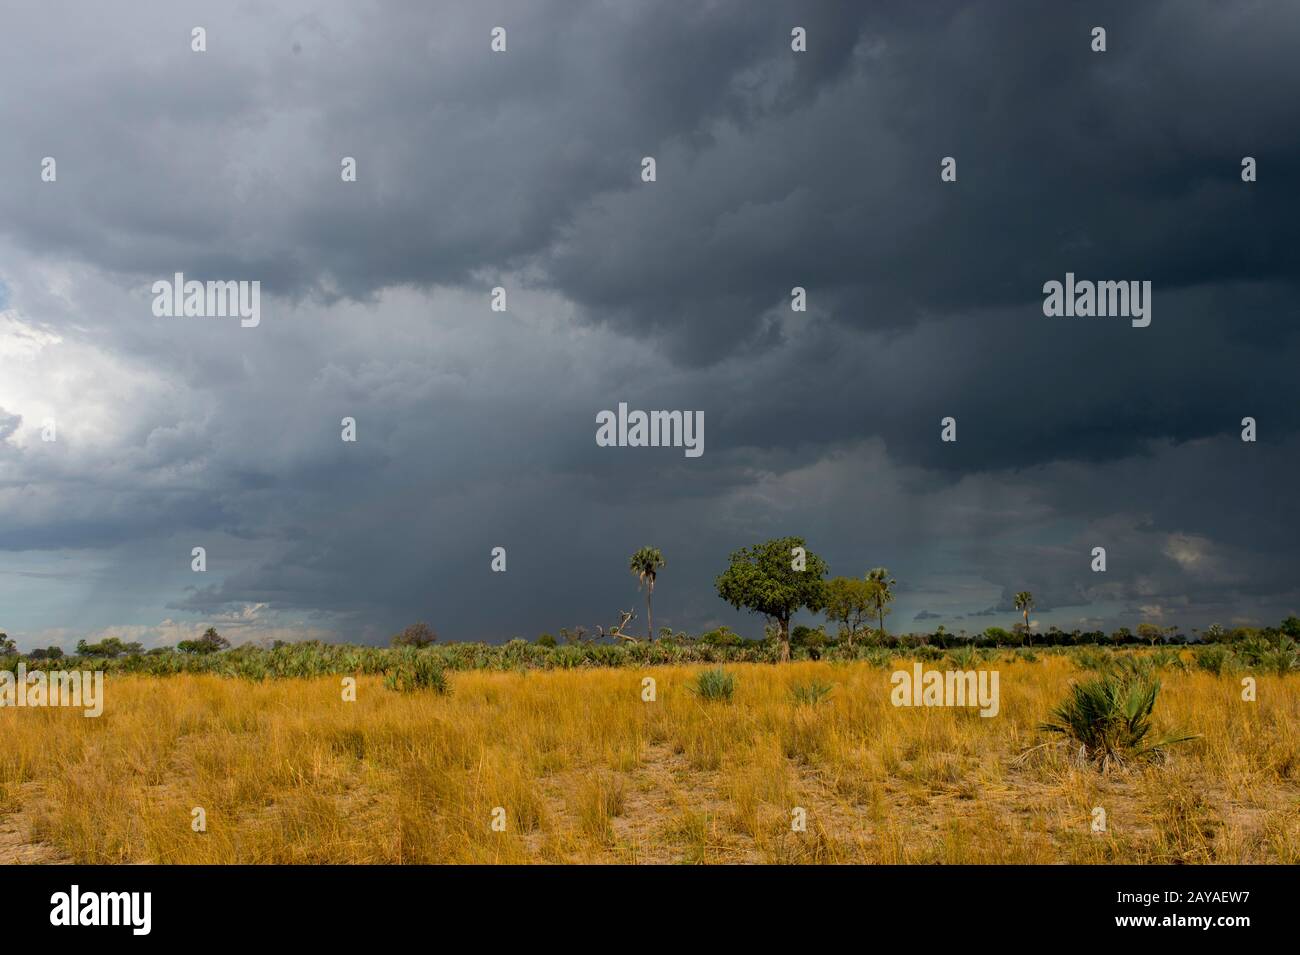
{"x":883,"y":594}
{"x":645,"y":564}
{"x":1025,"y":603}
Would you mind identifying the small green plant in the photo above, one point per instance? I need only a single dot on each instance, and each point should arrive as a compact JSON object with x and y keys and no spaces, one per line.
{"x":715,"y":684}
{"x":1133,"y":667}
{"x":1110,"y":718}
{"x":1283,"y":659}
{"x":1167,"y":658}
{"x":1214,"y":659}
{"x":1253,"y":650}
{"x":1093,"y":658}
{"x":963,"y":658}
{"x":812,"y":693}
{"x":879,"y":657}
{"x":418,"y":673}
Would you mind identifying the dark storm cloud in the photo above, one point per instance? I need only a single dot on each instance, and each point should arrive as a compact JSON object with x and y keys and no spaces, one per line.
{"x":468,"y":161}
{"x":774,"y":170}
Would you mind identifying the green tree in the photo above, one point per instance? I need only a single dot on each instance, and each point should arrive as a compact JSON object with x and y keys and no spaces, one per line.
{"x":416,"y":635}
{"x":108,"y":647}
{"x":210,"y":642}
{"x":850,"y":603}
{"x":997,"y":635}
{"x":812,"y":638}
{"x":721,"y":637}
{"x":882,"y":594}
{"x":1025,"y":603}
{"x":775,"y":579}
{"x":7,"y":644}
{"x":1149,"y":631}
{"x":645,"y":564}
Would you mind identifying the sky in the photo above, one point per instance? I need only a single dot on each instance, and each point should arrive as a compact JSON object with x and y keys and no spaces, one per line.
{"x":523,"y":170}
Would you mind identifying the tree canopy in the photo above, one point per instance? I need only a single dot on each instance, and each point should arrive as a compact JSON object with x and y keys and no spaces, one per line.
{"x":775,"y":579}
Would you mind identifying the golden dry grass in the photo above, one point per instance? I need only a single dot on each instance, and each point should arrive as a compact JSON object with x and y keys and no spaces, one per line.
{"x":587,"y":772}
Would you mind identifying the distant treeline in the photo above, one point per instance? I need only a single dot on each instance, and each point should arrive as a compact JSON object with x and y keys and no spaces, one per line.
{"x":1270,"y":648}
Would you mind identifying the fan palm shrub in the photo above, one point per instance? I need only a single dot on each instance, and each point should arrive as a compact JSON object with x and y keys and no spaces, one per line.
{"x":420,"y":672}
{"x":963,"y":658}
{"x":811,"y":693}
{"x":1109,"y":717}
{"x":716,"y":685}
{"x":1214,"y":658}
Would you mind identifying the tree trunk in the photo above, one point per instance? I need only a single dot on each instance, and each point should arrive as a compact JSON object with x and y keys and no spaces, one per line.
{"x":785,"y":638}
{"x":1026,"y":625}
{"x":649,"y":613}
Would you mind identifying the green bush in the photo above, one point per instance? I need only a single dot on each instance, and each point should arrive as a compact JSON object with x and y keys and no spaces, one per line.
{"x":722,"y":637}
{"x":1167,"y":658}
{"x":1093,"y":658}
{"x":420,"y":672}
{"x":715,"y":685}
{"x":1214,"y":659}
{"x":963,"y":658}
{"x":812,"y":693}
{"x":1110,"y":718}
{"x":1282,"y":659}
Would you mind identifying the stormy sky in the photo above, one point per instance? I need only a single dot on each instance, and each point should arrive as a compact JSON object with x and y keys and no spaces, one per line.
{"x":522,"y":169}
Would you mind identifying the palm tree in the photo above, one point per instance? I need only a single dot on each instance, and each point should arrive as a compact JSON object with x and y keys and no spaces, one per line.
{"x":1025,"y":603}
{"x":883,"y":595}
{"x":645,"y":564}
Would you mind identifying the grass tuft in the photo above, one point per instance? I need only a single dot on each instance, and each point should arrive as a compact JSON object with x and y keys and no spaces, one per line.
{"x":716,"y":685}
{"x":419,"y":673}
{"x":811,"y":693}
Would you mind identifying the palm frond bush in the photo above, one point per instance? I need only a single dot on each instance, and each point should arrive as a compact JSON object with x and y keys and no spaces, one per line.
{"x":963,"y":658}
{"x":811,"y":693}
{"x":1093,"y":658}
{"x":1109,"y":717}
{"x":1253,"y":650}
{"x":421,"y":672}
{"x":715,"y":685}
{"x":879,"y":657}
{"x":1214,"y":659}
{"x":1281,"y":660}
{"x":1133,"y":667}
{"x":1167,"y":658}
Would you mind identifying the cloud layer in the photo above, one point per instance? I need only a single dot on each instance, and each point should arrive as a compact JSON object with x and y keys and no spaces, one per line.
{"x":521,"y":170}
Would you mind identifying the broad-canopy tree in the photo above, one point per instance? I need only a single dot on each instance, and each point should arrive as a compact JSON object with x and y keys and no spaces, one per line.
{"x":210,"y":642}
{"x":850,"y":603}
{"x":108,"y":647}
{"x":1150,"y":632}
{"x":763,"y":579}
{"x":645,"y":564}
{"x":416,"y":635}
